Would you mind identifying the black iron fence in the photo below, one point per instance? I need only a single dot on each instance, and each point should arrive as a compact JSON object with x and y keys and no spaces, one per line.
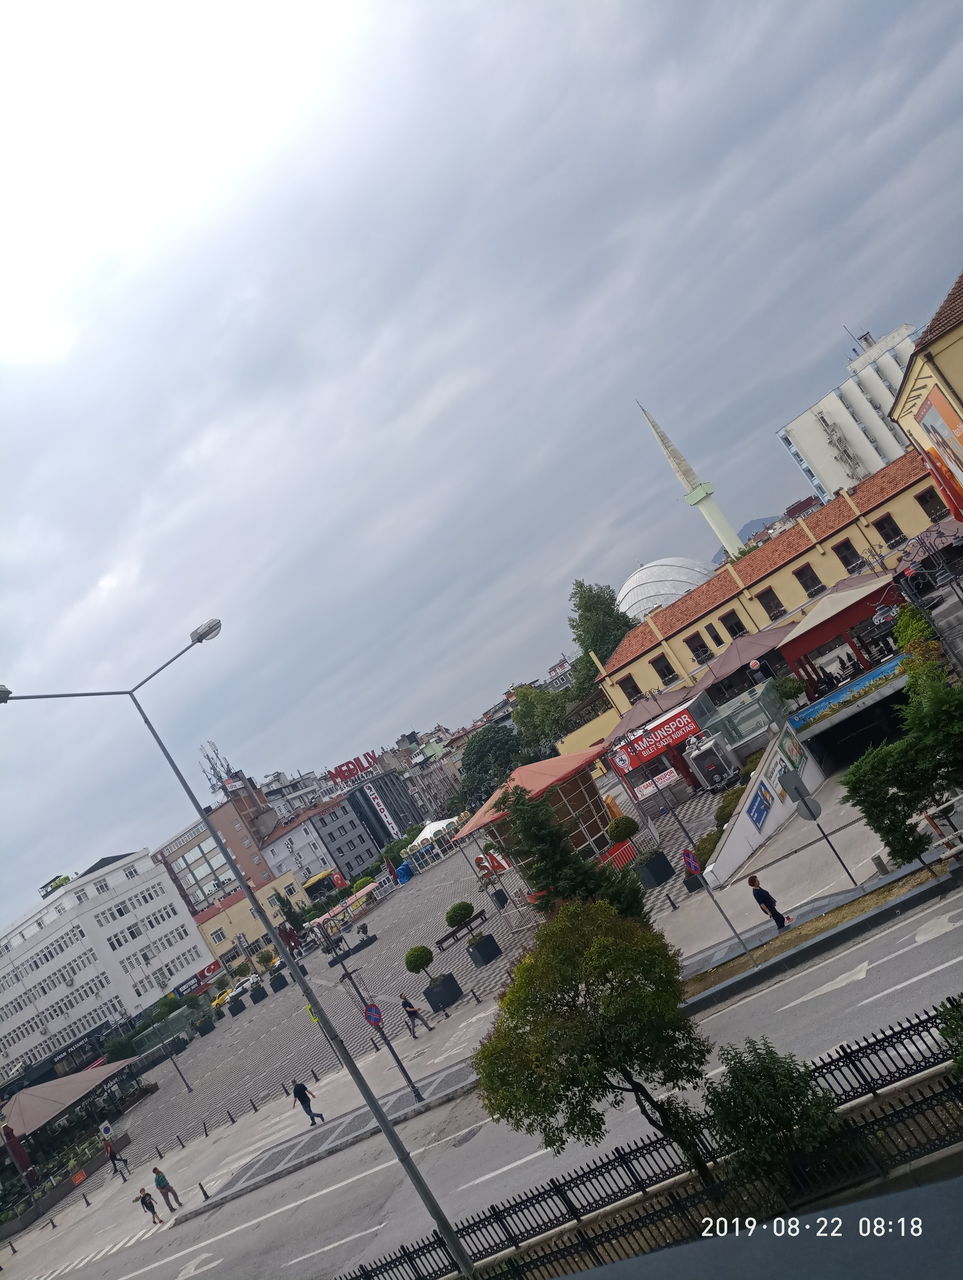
{"x":885,"y":1137}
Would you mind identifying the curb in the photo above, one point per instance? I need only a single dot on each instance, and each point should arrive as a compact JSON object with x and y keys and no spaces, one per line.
{"x":827,"y":941}
{"x":416,"y":1109}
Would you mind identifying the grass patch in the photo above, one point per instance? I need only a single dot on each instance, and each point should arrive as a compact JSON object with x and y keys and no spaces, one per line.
{"x":798,"y":934}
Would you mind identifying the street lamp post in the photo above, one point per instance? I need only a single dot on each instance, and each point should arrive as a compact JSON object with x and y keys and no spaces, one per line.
{"x":208,"y":631}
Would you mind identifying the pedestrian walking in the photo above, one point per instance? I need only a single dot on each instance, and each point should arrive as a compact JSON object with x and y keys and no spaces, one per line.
{"x":113,"y":1157}
{"x":413,"y":1016}
{"x":302,"y":1095}
{"x":147,"y":1204}
{"x":166,"y":1190}
{"x":768,"y":904}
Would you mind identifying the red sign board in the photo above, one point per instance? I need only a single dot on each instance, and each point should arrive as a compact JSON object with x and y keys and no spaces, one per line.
{"x":653,"y":741}
{"x":354,"y":768}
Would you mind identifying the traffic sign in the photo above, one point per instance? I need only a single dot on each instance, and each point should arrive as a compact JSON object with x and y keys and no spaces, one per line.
{"x":106,"y":1130}
{"x":808,"y":807}
{"x":791,"y":782}
{"x":372,"y":1014}
{"x":691,"y":862}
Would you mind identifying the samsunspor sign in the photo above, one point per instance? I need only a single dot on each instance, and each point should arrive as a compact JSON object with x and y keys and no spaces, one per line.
{"x":646,"y":746}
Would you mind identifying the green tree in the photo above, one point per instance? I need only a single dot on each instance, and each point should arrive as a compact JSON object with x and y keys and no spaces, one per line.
{"x":265,"y":958}
{"x":292,"y":915}
{"x":767,"y":1109}
{"x":458,"y":914}
{"x":552,"y":866}
{"x":539,"y":719}
{"x":620,"y":829}
{"x":119,"y":1048}
{"x":361,"y":883}
{"x":598,"y":625}
{"x":222,"y":982}
{"x":933,"y":720}
{"x":592,"y":1017}
{"x":242,"y":970}
{"x":489,"y":757}
{"x":891,"y":785}
{"x":417,"y":960}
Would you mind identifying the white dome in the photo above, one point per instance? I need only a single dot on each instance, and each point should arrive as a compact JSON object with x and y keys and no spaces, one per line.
{"x":657,"y":584}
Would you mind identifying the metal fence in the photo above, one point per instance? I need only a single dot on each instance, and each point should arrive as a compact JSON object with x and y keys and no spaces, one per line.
{"x":888,"y":1135}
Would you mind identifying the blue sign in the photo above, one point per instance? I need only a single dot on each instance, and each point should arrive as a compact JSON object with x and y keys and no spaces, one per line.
{"x":373,"y":1014}
{"x":759,"y":806}
{"x":691,"y":862}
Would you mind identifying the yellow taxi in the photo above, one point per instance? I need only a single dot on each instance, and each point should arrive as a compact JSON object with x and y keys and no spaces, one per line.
{"x":221,"y":999}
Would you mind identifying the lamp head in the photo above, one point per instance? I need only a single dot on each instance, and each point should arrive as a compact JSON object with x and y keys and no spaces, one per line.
{"x":206,"y":631}
{"x":4,"y":694}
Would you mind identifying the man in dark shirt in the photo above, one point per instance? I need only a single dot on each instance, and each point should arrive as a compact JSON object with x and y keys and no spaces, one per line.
{"x":303,"y":1095}
{"x":413,"y":1014}
{"x":768,"y":903}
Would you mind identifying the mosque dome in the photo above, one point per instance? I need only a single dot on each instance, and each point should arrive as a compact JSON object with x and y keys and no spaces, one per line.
{"x":654,"y":585}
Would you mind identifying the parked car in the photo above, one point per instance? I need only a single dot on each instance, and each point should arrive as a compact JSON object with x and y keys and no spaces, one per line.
{"x":221,"y":998}
{"x":243,"y":987}
{"x":277,"y":965}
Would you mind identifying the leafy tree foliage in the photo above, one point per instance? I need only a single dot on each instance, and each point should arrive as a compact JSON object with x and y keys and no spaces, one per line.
{"x":362,"y":883}
{"x":489,"y":757}
{"x":293,"y":915}
{"x":119,"y":1048}
{"x":623,"y":828}
{"x":597,"y":624}
{"x":890,"y":785}
{"x":222,"y":982}
{"x":767,"y":1108}
{"x":417,"y":959}
{"x":591,"y":1018}
{"x":552,"y":866}
{"x":265,"y":957}
{"x":458,"y":913}
{"x":539,"y":719}
{"x":242,"y":970}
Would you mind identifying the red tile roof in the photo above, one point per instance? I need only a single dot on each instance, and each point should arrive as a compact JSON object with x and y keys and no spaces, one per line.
{"x":948,"y":315}
{"x":767,"y":558}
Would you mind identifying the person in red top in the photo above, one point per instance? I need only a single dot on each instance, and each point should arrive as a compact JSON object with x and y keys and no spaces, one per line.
{"x":113,"y":1157}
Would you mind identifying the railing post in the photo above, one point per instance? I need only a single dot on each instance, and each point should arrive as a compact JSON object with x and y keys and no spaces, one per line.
{"x":565,"y":1198}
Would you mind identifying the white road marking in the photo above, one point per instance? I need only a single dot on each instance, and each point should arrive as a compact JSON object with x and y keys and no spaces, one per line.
{"x":347,"y":1240}
{"x":194,"y":1268}
{"x":807,"y":970}
{"x":120,"y":1244}
{"x":504,"y":1169}
{"x":910,"y":981}
{"x":844,"y":979}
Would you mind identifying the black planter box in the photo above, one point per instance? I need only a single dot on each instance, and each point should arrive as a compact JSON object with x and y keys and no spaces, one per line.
{"x":655,"y":871}
{"x":257,"y":994}
{"x":443,"y":992}
{"x":235,"y":1006}
{"x":219,"y":1013}
{"x":278,"y":981}
{"x":500,"y":898}
{"x":205,"y":1026}
{"x":343,"y":954}
{"x":693,"y":884}
{"x":484,"y":951}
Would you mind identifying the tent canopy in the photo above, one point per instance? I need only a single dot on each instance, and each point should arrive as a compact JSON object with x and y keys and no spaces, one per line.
{"x":32,"y":1108}
{"x":834,"y":604}
{"x":536,"y":779}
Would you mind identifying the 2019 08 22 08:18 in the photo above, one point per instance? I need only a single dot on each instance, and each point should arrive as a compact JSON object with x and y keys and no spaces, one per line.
{"x":827,"y":1228}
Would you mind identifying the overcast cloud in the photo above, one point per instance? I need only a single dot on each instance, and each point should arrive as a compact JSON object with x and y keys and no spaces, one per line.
{"x":330,"y":323}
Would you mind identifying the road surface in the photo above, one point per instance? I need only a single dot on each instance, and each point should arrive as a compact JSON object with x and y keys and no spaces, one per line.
{"x":356,"y":1205}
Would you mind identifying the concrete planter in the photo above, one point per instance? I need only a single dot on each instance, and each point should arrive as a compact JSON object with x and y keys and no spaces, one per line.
{"x":484,"y":950}
{"x":655,"y":870}
{"x":499,"y":898}
{"x":235,"y":1006}
{"x":442,"y":992}
{"x":278,"y":981}
{"x":693,"y":884}
{"x":205,"y":1026}
{"x":257,"y":994}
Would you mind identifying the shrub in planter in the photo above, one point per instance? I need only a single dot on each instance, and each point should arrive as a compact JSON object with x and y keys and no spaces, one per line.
{"x":442,"y":992}
{"x":706,"y":847}
{"x":620,"y":829}
{"x":727,"y":805}
{"x":654,"y":869}
{"x":458,"y":914}
{"x":235,"y":1006}
{"x":417,"y":960}
{"x":257,"y":993}
{"x":483,"y":949}
{"x":204,"y":1026}
{"x":277,"y":981}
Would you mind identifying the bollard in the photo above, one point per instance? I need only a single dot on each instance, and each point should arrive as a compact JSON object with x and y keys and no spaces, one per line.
{"x":203,"y":1192}
{"x":180,"y":1140}
{"x":670,"y":902}
{"x":445,"y":1013}
{"x":880,"y":866}
{"x":53,"y":1224}
{"x":229,"y":1116}
{"x":375,"y":1045}
{"x":253,"y":1107}
{"x":206,"y":1134}
{"x":285,"y":1088}
{"x":160,"y":1154}
{"x":474,"y":993}
{"x":315,"y":1074}
{"x":86,"y":1201}
{"x":13,"y":1247}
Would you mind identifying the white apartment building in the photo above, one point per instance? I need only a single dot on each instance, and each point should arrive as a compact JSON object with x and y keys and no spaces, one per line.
{"x":848,"y":434}
{"x":298,"y":848}
{"x":103,"y":946}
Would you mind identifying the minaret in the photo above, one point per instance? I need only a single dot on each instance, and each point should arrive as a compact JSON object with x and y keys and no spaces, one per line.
{"x":698,"y":493}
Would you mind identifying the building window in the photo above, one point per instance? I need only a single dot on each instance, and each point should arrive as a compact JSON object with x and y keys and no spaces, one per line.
{"x":934,"y":508}
{"x":246,"y":843}
{"x":266,"y":873}
{"x":809,"y":580}
{"x":889,"y":531}
{"x":664,"y":669}
{"x":773,"y":606}
{"x":101,"y":886}
{"x":714,"y":635}
{"x":81,"y":896}
{"x":350,"y":844}
{"x":698,"y":647}
{"x":848,"y":556}
{"x":131,"y":873}
{"x":290,"y":890}
{"x":630,"y":688}
{"x":733,"y":624}
{"x":237,"y":826}
{"x":218,"y":936}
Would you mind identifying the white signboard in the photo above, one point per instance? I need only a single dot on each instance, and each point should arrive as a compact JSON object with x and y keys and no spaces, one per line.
{"x":386,"y":817}
{"x":664,"y":779}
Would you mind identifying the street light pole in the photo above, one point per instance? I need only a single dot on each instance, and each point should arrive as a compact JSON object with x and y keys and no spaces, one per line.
{"x":446,"y":1230}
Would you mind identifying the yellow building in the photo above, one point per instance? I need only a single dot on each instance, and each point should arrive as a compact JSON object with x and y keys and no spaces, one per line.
{"x":929,"y":402}
{"x":861,"y":530}
{"x":231,"y":929}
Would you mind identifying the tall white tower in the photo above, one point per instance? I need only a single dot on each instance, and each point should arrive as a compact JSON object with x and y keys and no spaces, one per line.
{"x":698,"y":493}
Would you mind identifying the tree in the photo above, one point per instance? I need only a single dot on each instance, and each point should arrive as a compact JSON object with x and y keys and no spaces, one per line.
{"x":489,"y":757}
{"x":592,"y":1017}
{"x":767,"y":1109}
{"x":222,"y":982}
{"x":891,"y":785}
{"x":552,"y":866}
{"x":291,"y":914}
{"x":242,"y":970}
{"x":119,"y":1048}
{"x":458,"y":914}
{"x":621,"y":829}
{"x":539,"y":719}
{"x":933,"y":720}
{"x":361,"y":883}
{"x":265,"y":958}
{"x":598,"y":625}
{"x":417,"y":960}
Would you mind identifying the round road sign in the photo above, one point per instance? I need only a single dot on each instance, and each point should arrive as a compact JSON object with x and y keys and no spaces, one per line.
{"x":372,"y":1014}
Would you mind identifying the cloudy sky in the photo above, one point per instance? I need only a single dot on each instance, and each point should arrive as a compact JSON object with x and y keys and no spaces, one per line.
{"x":330,"y":321}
